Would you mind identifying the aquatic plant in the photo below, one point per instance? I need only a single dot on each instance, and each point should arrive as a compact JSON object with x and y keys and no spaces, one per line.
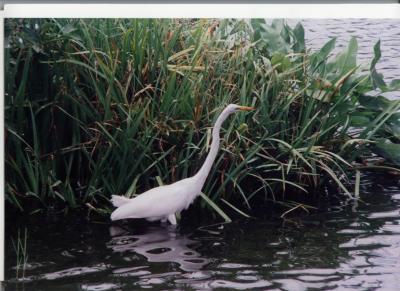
{"x":96,"y":107}
{"x":20,"y":248}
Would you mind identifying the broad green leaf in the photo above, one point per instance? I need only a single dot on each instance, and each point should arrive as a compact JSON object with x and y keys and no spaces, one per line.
{"x":299,"y":45}
{"x":327,"y":48}
{"x":393,"y":125}
{"x":374,"y":102}
{"x":281,"y":61}
{"x":359,"y":120}
{"x":395,"y":85}
{"x":319,"y":59}
{"x":346,"y":60}
{"x":388,"y":150}
{"x":377,"y":80}
{"x":377,"y":54}
{"x":257,"y":24}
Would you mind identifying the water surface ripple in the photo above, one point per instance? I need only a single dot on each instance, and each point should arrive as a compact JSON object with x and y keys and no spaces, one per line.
{"x":347,"y":246}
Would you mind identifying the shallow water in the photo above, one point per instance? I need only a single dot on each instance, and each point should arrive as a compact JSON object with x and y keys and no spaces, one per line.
{"x":347,"y":246}
{"x":354,"y":246}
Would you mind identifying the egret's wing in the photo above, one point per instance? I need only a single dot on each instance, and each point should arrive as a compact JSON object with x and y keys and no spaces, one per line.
{"x":157,"y":202}
{"x":149,"y":204}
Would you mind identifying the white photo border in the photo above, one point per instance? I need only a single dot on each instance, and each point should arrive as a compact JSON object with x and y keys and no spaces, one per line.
{"x":317,"y":11}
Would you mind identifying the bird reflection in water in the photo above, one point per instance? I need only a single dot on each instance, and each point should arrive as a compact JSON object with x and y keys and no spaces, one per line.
{"x":159,"y":244}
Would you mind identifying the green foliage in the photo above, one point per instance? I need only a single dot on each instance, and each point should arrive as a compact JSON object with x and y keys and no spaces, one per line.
{"x":96,"y":107}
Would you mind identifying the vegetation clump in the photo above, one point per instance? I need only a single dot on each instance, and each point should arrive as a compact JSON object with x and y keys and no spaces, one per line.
{"x":95,"y":107}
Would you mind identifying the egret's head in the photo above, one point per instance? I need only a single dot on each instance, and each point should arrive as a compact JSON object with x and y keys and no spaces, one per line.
{"x":234,"y":108}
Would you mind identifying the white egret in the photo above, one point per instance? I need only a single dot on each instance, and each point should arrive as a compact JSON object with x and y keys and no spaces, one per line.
{"x":161,"y":203}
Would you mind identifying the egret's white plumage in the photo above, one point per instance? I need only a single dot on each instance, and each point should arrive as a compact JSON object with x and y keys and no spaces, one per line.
{"x":157,"y":203}
{"x":161,"y":203}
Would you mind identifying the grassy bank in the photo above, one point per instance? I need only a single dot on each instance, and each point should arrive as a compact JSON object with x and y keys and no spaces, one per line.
{"x":98,"y":107}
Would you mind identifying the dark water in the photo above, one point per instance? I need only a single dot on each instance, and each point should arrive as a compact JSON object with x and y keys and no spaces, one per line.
{"x":354,"y":246}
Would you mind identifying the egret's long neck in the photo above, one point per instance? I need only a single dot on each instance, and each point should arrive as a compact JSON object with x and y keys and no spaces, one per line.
{"x":205,"y":169}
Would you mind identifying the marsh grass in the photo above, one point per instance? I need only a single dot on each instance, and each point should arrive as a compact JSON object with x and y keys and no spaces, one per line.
{"x":20,"y":248}
{"x":96,"y":107}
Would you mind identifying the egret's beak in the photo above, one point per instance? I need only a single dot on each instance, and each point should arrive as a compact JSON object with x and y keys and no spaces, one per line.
{"x":246,"y":108}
